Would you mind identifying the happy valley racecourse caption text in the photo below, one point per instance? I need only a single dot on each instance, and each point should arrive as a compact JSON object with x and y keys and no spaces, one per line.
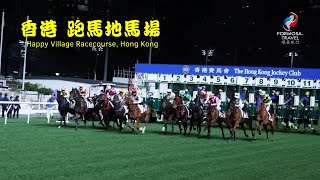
{"x":76,"y":29}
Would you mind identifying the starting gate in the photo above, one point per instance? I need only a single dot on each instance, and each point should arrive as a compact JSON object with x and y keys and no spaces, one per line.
{"x":157,"y":78}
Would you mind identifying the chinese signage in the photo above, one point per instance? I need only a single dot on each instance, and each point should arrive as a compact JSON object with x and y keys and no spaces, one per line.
{"x":230,"y":71}
{"x":94,"y":28}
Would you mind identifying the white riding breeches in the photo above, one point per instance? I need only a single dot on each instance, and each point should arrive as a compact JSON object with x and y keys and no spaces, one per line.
{"x":126,"y":109}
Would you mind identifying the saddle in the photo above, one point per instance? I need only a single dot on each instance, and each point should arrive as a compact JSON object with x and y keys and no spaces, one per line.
{"x":244,"y":114}
{"x":142,"y":107}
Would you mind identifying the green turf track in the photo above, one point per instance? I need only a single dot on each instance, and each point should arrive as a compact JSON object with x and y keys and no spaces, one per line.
{"x":42,"y":151}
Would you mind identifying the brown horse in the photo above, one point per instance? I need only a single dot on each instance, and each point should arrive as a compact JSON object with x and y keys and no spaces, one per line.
{"x":213,"y":117}
{"x":136,"y":114}
{"x":169,"y":114}
{"x":238,"y":120}
{"x":181,"y":115}
{"x":80,"y":106}
{"x":263,"y":119}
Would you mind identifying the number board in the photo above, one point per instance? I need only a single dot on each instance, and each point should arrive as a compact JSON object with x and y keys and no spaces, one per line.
{"x":204,"y":79}
{"x":191,"y":79}
{"x":244,"y":81}
{"x":275,"y":82}
{"x":307,"y":83}
{"x":318,"y":84}
{"x":165,"y":78}
{"x":152,"y":77}
{"x":178,"y":78}
{"x":218,"y":80}
{"x":290,"y":83}
{"x":230,"y":81}
{"x":261,"y":81}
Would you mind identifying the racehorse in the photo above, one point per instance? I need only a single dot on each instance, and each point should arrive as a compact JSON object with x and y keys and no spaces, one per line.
{"x":119,"y":111}
{"x":106,"y":109}
{"x":237,"y":120}
{"x":199,"y":113}
{"x":169,"y":114}
{"x":63,"y":107}
{"x":181,"y":115}
{"x":97,"y":110}
{"x":80,"y":106}
{"x":213,"y":117}
{"x":263,"y":119}
{"x":136,"y":114}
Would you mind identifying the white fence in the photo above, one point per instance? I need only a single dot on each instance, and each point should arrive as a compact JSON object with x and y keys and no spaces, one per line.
{"x":30,"y":109}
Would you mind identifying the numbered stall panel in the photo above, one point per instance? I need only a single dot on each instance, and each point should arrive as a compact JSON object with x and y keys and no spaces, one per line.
{"x":165,"y":78}
{"x":179,"y":78}
{"x":230,"y":80}
{"x":191,"y":79}
{"x":204,"y":79}
{"x":275,"y":82}
{"x":261,"y":82}
{"x":245,"y":81}
{"x":308,"y":84}
{"x":290,"y":83}
{"x":218,"y":80}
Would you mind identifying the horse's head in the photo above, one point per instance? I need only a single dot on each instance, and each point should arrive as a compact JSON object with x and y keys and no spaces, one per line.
{"x":178,"y":100}
{"x":74,"y":93}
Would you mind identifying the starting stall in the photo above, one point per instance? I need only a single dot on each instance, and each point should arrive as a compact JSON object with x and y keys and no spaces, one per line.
{"x":226,"y":80}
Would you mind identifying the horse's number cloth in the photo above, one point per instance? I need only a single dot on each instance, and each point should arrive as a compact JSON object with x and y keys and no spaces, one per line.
{"x":222,"y":114}
{"x":142,"y":108}
{"x":244,"y":114}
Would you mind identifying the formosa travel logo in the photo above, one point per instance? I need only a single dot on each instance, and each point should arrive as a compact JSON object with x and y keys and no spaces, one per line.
{"x":290,"y":21}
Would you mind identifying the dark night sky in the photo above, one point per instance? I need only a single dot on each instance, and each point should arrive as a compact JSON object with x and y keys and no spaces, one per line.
{"x":241,"y":36}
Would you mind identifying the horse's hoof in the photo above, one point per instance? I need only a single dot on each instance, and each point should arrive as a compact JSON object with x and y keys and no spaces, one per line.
{"x":246,"y":135}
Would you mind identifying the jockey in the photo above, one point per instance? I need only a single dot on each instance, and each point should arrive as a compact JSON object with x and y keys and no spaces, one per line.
{"x":186,"y":99}
{"x":136,"y":97}
{"x":216,"y":102}
{"x":266,"y":101}
{"x":65,"y":93}
{"x":122,"y":94}
{"x":83,"y":91}
{"x":202,"y":93}
{"x":239,"y":104}
{"x":170,"y":96}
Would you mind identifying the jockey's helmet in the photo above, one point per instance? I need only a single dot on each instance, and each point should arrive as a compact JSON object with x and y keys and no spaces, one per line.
{"x":63,"y":88}
{"x":108,"y":87}
{"x":220,"y":90}
{"x":133,"y":90}
{"x":237,"y":95}
{"x":112,"y":92}
{"x":182,"y":93}
{"x":81,"y":86}
{"x":245,"y":89}
{"x":169,"y":91}
{"x":262,"y":93}
{"x":211,"y":95}
{"x":307,"y":93}
{"x":121,"y":90}
{"x":292,"y":94}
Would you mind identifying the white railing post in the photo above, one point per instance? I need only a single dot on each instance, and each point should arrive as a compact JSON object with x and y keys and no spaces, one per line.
{"x":28,"y":121}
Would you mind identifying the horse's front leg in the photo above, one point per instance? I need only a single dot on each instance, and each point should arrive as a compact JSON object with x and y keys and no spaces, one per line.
{"x":185,"y":125}
{"x":266,"y":129}
{"x":221,"y":127}
{"x":179,"y":125}
{"x":85,"y":121}
{"x":244,"y":129}
{"x":209,"y":128}
{"x":256,"y":129}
